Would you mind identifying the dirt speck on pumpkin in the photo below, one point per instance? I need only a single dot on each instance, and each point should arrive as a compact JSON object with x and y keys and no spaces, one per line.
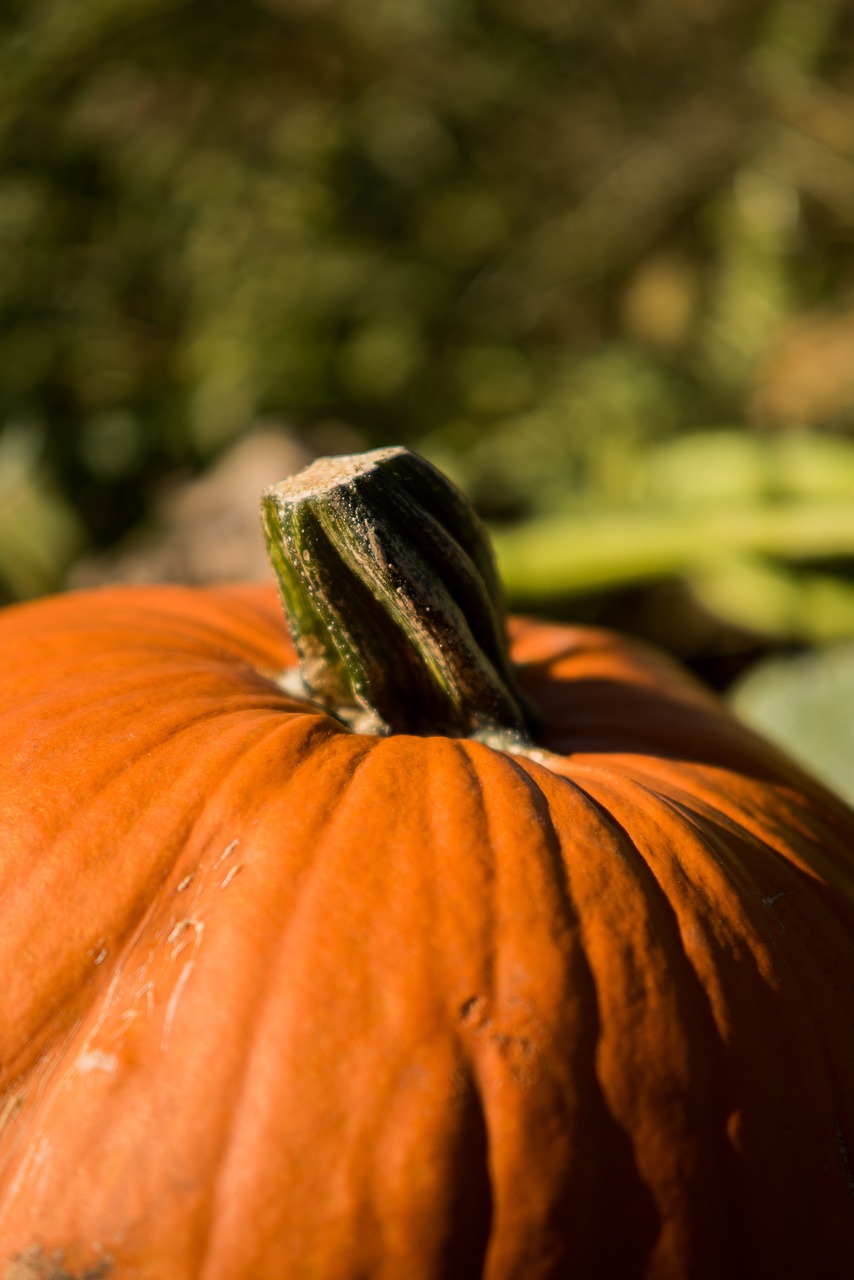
{"x":844,"y":1155}
{"x":472,"y":1011}
{"x":11,"y":1106}
{"x":35,"y":1264}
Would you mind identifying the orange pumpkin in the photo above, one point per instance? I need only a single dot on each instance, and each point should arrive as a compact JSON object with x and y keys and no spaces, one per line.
{"x":281,"y":999}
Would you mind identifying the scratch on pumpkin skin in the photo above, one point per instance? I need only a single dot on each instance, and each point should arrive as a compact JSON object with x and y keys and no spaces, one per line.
{"x":775,"y":897}
{"x":178,"y":931}
{"x":146,"y":990}
{"x":44,"y":1085}
{"x":94,"y":1059}
{"x":172,"y":1007}
{"x":33,"y":1161}
{"x":97,"y":1060}
{"x":11,"y":1107}
{"x":87,"y":1049}
{"x":99,"y":952}
{"x":232,"y":873}
{"x":226,"y":853}
{"x":180,"y":937}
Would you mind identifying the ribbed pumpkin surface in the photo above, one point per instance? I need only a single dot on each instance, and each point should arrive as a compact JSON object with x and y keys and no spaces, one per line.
{"x":282,"y":1001}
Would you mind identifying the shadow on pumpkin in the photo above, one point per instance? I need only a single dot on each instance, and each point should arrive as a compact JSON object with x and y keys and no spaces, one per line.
{"x":592,"y":715}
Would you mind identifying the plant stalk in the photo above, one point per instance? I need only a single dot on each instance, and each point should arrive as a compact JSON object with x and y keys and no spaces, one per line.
{"x":390,"y":589}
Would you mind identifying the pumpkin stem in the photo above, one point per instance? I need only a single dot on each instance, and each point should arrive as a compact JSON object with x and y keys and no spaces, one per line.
{"x":392,"y":596}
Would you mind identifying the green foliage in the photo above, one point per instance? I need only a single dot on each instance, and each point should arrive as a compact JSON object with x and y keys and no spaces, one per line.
{"x":806,"y":705}
{"x":38,"y":531}
{"x":536,"y":240}
{"x":762,"y":531}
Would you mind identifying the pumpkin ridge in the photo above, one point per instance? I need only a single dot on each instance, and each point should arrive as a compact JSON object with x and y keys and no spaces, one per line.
{"x":758,"y":1203}
{"x":693,"y":1022}
{"x":787,"y":879}
{"x":313,"y":728}
{"x":174,"y":854}
{"x":176,"y":611}
{"x":513,"y":1043}
{"x":532,"y":775}
{"x":528,"y":774}
{"x":650,"y":1217}
{"x":323,"y":736}
{"x":682,"y":801}
{"x":468,"y":756}
{"x":473,"y":1244}
{"x":328,"y":739}
{"x":713,"y":794}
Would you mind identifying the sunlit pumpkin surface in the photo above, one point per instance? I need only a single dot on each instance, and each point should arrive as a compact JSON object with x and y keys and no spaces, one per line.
{"x":282,"y":1001}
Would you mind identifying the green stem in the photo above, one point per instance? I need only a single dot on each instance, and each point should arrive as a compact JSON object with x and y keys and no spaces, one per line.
{"x":391,"y":593}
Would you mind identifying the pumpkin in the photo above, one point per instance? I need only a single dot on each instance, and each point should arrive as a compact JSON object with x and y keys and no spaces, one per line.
{"x":297,"y":984}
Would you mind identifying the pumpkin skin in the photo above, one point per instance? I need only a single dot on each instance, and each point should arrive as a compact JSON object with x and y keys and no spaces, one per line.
{"x":283,"y":1000}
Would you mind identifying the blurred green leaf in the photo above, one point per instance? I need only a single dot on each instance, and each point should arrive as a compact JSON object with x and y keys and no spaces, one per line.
{"x":552,"y":555}
{"x":776,"y":600}
{"x":733,"y":466}
{"x":806,"y":705}
{"x":39,"y":533}
{"x":761,"y":530}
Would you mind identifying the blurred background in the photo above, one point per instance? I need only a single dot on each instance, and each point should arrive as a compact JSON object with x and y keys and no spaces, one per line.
{"x":594,"y":260}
